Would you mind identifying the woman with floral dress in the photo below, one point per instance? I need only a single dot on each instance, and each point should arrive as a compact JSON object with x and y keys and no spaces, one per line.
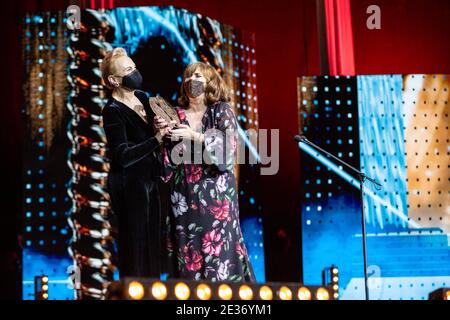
{"x":205,"y":240}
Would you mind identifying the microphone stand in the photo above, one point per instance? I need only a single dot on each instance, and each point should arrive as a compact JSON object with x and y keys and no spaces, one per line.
{"x":362,"y":178}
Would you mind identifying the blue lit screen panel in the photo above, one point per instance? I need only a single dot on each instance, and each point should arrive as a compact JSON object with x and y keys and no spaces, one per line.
{"x":330,"y":208}
{"x":402,"y":142}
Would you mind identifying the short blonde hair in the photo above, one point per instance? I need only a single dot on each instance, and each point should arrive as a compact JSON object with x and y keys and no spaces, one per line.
{"x":107,"y":65}
{"x":216,"y":89}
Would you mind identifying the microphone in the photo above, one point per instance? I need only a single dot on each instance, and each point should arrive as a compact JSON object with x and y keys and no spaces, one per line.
{"x":299,"y":138}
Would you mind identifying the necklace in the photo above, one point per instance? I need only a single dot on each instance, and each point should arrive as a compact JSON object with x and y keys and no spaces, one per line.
{"x":139,"y":109}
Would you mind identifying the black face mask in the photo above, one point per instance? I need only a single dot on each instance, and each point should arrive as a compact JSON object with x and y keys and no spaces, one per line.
{"x":194,"y":88}
{"x":133,"y":80}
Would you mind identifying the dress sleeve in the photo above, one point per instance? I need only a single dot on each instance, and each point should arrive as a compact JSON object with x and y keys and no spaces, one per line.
{"x":221,"y":142}
{"x":122,"y":151}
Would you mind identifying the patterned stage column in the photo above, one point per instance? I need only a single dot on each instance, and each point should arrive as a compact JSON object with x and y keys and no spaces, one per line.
{"x":91,"y":245}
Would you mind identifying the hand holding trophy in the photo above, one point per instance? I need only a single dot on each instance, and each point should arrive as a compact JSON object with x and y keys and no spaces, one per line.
{"x":165,"y":116}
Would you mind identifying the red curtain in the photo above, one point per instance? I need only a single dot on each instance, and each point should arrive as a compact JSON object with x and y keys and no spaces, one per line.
{"x":339,"y":37}
{"x":103,"y":4}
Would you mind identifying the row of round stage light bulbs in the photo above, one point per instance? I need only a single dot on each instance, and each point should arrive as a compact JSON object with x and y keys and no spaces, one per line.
{"x":44,"y":288}
{"x":203,"y":291}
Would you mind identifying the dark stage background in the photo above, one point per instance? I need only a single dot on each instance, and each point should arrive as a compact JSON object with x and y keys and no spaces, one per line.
{"x":413,"y":39}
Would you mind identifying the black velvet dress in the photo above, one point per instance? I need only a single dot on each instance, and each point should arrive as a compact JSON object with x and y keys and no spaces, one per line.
{"x":132,"y":187}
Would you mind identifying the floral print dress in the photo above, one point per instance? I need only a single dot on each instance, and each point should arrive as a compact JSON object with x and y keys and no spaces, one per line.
{"x":204,"y":240}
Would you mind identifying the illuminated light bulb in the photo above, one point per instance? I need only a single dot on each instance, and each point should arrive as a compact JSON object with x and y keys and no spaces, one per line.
{"x":285,"y":293}
{"x":45,"y":287}
{"x":335,"y":287}
{"x":203,"y":292}
{"x":245,"y":292}
{"x":304,"y":294}
{"x":182,"y":291}
{"x":45,"y":296}
{"x":335,"y":271}
{"x":225,"y":292}
{"x":447,"y":295}
{"x":336,"y":295}
{"x":322,"y":294}
{"x":265,"y":293}
{"x":335,"y":279}
{"x":44,"y":279}
{"x":159,"y":291}
{"x":136,"y":290}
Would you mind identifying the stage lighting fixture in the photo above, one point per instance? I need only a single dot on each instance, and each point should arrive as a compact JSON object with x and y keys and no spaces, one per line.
{"x":245,"y":292}
{"x":178,"y":289}
{"x":136,"y":290}
{"x":304,"y":294}
{"x":265,"y":293}
{"x":225,"y":292}
{"x":203,"y":292}
{"x":330,"y":278}
{"x":159,"y":291}
{"x":182,"y":291}
{"x":285,"y":293}
{"x":41,"y":287}
{"x":322,"y":294}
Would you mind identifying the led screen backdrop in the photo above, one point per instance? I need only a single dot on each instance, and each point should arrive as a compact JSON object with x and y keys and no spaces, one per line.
{"x":68,"y":224}
{"x":395,"y":128}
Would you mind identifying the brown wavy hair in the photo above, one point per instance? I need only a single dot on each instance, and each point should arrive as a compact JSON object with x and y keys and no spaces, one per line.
{"x":216,"y":89}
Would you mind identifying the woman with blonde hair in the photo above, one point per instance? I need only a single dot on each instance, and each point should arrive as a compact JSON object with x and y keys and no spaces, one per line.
{"x":131,"y":142}
{"x":205,"y":240}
